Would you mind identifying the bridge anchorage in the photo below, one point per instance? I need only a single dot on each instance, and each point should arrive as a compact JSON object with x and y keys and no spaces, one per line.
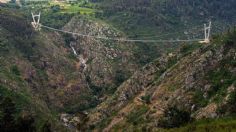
{"x":207,"y":31}
{"x":36,"y":19}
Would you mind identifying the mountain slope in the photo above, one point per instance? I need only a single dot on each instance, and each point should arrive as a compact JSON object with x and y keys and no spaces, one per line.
{"x":21,"y":78}
{"x":174,"y":90}
{"x":166,"y":15}
{"x":165,"y":20}
{"x":46,"y":74}
{"x":43,"y":70}
{"x":108,"y":62}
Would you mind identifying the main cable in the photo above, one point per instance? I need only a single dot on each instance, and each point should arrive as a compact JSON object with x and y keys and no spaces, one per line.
{"x":121,"y":39}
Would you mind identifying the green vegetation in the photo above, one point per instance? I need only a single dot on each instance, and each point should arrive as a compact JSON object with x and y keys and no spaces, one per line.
{"x":11,"y":107}
{"x":7,"y":122}
{"x":103,"y":123}
{"x":55,"y":8}
{"x":141,"y":17}
{"x":72,"y":8}
{"x":174,"y":117}
{"x":119,"y":77}
{"x":221,"y":79}
{"x":199,"y":100}
{"x":15,"y":70}
{"x":147,"y":52}
{"x":232,"y":98}
{"x":72,"y":108}
{"x":55,"y":19}
{"x":82,"y":7}
{"x":23,"y":92}
{"x":77,"y":9}
{"x":189,"y":48}
{"x":208,"y":125}
{"x":134,"y":20}
{"x":3,"y":44}
{"x":137,"y":116}
{"x":146,"y":99}
{"x":163,"y":20}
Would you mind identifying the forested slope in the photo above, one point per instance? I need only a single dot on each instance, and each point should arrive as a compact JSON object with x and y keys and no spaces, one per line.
{"x":165,"y":20}
{"x":41,"y":77}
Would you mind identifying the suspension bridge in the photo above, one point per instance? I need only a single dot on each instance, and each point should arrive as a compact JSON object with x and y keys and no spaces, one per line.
{"x":207,"y":30}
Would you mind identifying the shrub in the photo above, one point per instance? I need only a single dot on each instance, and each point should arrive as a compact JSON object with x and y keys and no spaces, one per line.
{"x":15,"y":70}
{"x":68,"y":39}
{"x":188,"y":48}
{"x":174,"y":117}
{"x":119,"y":77}
{"x":7,"y":108}
{"x":220,"y":79}
{"x":146,"y":98}
{"x":55,"y":8}
{"x":230,"y":107}
{"x":3,"y":45}
{"x":135,"y":117}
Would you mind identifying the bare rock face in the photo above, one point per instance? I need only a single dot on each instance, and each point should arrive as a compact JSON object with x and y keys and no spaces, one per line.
{"x":128,"y":90}
{"x":207,"y":112}
{"x":105,"y":59}
{"x":188,"y":84}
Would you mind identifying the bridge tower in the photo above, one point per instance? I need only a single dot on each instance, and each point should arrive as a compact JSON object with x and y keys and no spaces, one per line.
{"x":207,"y":31}
{"x":36,"y":19}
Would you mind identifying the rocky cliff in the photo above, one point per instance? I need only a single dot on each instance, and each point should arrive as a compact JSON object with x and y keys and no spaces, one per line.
{"x":55,"y":81}
{"x":173,"y":90}
{"x":107,"y":63}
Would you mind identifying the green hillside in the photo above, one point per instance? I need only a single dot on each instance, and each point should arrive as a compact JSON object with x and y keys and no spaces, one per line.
{"x":72,"y":76}
{"x":161,"y":16}
{"x":190,"y":90}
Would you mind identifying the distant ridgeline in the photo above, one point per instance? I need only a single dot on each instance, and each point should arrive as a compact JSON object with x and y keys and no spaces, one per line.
{"x":157,"y":16}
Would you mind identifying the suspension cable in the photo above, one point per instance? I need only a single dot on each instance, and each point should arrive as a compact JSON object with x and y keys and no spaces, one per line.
{"x":121,"y":39}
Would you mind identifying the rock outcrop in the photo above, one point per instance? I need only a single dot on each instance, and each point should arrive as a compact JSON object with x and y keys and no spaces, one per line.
{"x":194,"y":83}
